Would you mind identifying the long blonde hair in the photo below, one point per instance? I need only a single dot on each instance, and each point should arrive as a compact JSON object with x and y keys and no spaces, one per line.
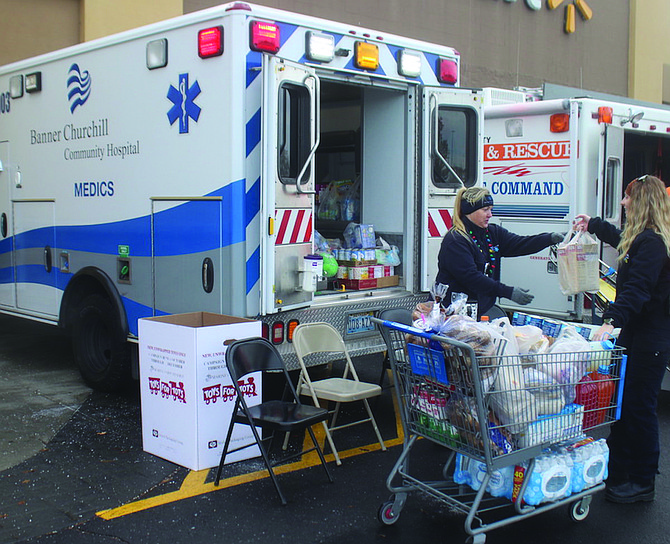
{"x":472,"y":195}
{"x":649,"y":208}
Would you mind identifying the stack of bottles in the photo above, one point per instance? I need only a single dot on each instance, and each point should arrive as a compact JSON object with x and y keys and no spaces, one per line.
{"x":559,"y":472}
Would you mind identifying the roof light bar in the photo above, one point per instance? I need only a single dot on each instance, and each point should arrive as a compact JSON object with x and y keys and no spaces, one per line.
{"x":210,"y":42}
{"x":264,"y":36}
{"x":409,"y":63}
{"x":320,"y":47}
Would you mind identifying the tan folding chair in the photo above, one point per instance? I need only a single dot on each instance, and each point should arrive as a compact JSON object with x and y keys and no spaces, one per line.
{"x":313,"y":338}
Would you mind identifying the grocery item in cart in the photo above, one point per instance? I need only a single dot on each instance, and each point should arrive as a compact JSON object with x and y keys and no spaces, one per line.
{"x":471,"y":472}
{"x":509,"y":398}
{"x":570,"y":354}
{"x":550,"y":480}
{"x":589,"y":468}
{"x":565,"y":425}
{"x":605,"y":387}
{"x":587,"y":396}
{"x":547,"y":391}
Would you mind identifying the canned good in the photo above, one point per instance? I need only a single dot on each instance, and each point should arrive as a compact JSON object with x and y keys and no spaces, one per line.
{"x":551,"y":328}
{"x":519,"y":319}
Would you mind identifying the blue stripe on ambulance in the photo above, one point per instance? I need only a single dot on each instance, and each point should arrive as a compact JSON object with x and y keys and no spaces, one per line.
{"x":549,"y":212}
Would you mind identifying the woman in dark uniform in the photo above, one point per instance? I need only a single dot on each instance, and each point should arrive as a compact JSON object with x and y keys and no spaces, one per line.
{"x":469,"y":257}
{"x":641,"y":309}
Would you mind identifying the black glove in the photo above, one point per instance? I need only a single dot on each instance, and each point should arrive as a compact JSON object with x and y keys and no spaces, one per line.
{"x":557,"y":238}
{"x":521,"y":296}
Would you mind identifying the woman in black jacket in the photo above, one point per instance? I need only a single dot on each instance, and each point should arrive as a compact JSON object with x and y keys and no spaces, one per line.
{"x":641,"y":310}
{"x":469,"y":257}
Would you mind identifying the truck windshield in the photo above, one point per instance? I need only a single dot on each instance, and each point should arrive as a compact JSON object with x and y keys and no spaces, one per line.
{"x":295,"y":132}
{"x":454,"y":154}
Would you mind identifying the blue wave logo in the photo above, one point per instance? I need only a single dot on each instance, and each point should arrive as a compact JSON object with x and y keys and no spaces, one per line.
{"x":79,"y":87}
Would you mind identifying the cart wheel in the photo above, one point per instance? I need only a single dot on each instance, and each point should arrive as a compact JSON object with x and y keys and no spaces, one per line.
{"x":386,"y":514}
{"x":580,"y":510}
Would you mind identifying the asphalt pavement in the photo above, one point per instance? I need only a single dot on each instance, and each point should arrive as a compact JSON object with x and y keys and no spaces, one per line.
{"x":89,"y":481}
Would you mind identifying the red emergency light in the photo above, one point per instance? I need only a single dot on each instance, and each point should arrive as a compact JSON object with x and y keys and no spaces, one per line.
{"x":447,"y":71}
{"x":277,"y":332}
{"x":210,"y":42}
{"x":264,"y":36}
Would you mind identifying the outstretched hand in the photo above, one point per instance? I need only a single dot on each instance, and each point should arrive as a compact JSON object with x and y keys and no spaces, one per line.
{"x":521,"y":296}
{"x":581,"y":222}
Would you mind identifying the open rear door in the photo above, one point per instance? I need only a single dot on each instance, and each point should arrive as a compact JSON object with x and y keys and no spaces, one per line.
{"x":290,"y":138}
{"x":611,"y":165}
{"x":451,"y":158}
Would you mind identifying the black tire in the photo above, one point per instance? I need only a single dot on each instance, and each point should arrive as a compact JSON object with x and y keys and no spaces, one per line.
{"x":101,"y":350}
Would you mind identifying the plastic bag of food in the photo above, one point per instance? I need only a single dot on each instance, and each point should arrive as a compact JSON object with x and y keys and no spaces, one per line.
{"x":578,"y":264}
{"x":569,"y":360}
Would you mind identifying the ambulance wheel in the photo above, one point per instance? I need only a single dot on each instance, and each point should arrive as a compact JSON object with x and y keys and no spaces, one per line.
{"x":100,"y":347}
{"x":579,"y":510}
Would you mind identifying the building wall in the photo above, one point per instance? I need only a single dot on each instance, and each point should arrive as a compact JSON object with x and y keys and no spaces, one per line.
{"x":109,"y":17}
{"x":649,"y":50}
{"x":503,"y":43}
{"x":33,"y":27}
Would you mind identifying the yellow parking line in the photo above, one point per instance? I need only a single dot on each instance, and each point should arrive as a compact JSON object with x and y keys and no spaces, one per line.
{"x":194,"y":482}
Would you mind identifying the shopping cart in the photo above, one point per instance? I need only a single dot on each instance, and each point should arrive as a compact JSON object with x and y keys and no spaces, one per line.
{"x":453,"y":396}
{"x":607,"y":288}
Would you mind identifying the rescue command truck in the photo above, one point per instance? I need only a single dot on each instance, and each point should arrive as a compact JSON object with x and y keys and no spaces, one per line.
{"x":557,"y":152}
{"x":177,"y":168}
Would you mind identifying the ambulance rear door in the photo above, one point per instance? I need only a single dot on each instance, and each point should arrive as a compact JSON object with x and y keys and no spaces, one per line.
{"x":611,"y":166}
{"x":451,"y":152}
{"x":289,"y":132}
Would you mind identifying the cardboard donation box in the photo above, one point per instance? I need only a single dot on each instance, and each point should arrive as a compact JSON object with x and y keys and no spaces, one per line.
{"x":187,"y":397}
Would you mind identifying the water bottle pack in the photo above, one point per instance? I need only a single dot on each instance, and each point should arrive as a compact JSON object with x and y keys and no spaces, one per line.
{"x":558,"y":473}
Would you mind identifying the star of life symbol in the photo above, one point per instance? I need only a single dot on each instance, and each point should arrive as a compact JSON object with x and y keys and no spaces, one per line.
{"x":183,"y":107}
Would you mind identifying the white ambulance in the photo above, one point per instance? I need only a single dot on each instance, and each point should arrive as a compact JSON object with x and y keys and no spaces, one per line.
{"x":176,"y":168}
{"x":545,"y":161}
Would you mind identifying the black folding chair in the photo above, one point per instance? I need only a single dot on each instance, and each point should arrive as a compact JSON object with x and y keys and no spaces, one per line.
{"x":397,"y":315}
{"x":286,"y":415}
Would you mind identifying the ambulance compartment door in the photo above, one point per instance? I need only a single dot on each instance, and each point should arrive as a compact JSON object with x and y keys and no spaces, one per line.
{"x":451,"y":153}
{"x":35,"y":265}
{"x":7,"y":290}
{"x":289,"y":134}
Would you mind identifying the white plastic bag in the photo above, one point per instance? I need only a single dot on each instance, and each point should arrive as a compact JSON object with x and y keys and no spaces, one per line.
{"x":578,"y":265}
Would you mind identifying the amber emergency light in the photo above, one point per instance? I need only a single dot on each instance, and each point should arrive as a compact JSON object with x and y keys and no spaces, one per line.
{"x":367,"y":56}
{"x":605,"y":114}
{"x":559,"y":122}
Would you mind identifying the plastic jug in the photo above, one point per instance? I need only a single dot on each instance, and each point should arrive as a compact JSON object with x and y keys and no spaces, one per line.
{"x":605,"y":386}
{"x":600,"y":354}
{"x":587,"y":396}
